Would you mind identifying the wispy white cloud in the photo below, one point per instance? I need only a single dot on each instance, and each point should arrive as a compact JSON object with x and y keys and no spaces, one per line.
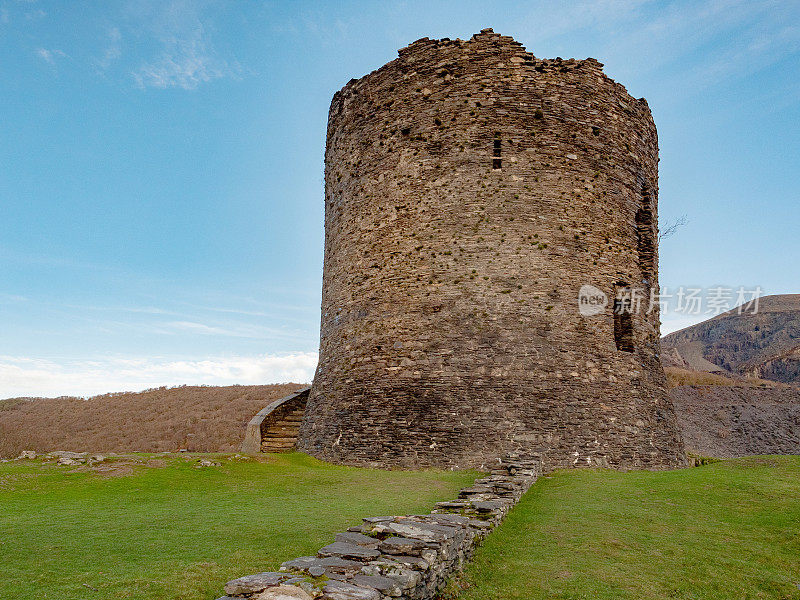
{"x":45,"y":55}
{"x":314,"y":22}
{"x":186,"y":68}
{"x":244,"y":331}
{"x":187,"y":57}
{"x":49,"y":56}
{"x":20,"y":376}
{"x":694,"y":46}
{"x":553,"y":20}
{"x":690,"y":46}
{"x":113,"y":49}
{"x":11,"y":298}
{"x":35,"y":14}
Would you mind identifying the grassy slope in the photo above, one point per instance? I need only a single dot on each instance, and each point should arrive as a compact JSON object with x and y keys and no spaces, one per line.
{"x":730,"y":530}
{"x":198,"y":418}
{"x":180,"y":532}
{"x":677,"y":377}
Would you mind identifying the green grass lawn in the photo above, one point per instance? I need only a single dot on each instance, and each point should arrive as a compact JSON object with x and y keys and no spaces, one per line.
{"x":726,"y":531}
{"x":730,"y":530}
{"x":170,"y":531}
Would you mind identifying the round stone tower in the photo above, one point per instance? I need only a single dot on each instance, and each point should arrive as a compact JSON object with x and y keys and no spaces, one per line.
{"x":472,"y":192}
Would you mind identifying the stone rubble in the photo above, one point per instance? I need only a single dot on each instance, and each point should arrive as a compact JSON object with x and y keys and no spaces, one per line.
{"x":64,"y":458}
{"x":403,"y":557}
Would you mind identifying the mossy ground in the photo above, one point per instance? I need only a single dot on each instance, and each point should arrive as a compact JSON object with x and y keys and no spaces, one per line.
{"x":158,"y":528}
{"x":724,"y":531}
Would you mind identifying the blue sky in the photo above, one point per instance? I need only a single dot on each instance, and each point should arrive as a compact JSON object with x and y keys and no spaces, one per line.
{"x":161,"y":213}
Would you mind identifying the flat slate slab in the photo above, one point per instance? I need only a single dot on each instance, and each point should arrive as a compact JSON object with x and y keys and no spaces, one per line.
{"x":487,"y":506}
{"x":385,"y":585}
{"x":401,"y":545}
{"x":252,"y":584}
{"x":329,"y":564}
{"x":345,"y":550}
{"x":427,"y":532}
{"x":338,"y":590}
{"x":359,"y":539}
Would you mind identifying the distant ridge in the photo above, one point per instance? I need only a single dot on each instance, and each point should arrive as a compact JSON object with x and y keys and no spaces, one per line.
{"x":764,"y":345}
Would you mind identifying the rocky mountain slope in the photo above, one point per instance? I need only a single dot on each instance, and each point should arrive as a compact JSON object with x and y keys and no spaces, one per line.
{"x":764,"y":345}
{"x":738,"y":420}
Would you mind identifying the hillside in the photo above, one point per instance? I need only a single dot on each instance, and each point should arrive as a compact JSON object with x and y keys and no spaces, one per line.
{"x":764,"y":345}
{"x":724,"y":414}
{"x":732,"y":421}
{"x":197,"y":418}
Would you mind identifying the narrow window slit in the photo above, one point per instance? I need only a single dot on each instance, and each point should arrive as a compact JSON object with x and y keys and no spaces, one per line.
{"x":497,"y":162}
{"x":623,"y":320}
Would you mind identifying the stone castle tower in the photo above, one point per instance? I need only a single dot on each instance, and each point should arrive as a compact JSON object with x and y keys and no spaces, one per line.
{"x":471,"y":190}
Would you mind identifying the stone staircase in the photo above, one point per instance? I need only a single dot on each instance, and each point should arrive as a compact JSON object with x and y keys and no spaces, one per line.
{"x":281,"y":435}
{"x":276,"y":427}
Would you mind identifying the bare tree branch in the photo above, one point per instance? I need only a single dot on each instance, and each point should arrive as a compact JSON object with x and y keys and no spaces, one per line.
{"x":671,"y":227}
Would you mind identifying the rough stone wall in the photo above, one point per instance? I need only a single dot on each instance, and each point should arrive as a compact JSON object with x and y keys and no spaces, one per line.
{"x":450,"y":326}
{"x":404,"y":557}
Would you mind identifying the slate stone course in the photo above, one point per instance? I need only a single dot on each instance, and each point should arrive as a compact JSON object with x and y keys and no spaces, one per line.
{"x":413,"y":557}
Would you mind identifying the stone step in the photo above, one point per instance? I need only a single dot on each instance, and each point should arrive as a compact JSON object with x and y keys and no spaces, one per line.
{"x":286,"y":427}
{"x":284,"y":422}
{"x":281,"y":435}
{"x":287,"y":430}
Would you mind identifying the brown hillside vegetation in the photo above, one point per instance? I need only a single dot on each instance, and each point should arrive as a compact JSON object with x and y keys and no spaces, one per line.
{"x":197,"y":418}
{"x":677,"y":376}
